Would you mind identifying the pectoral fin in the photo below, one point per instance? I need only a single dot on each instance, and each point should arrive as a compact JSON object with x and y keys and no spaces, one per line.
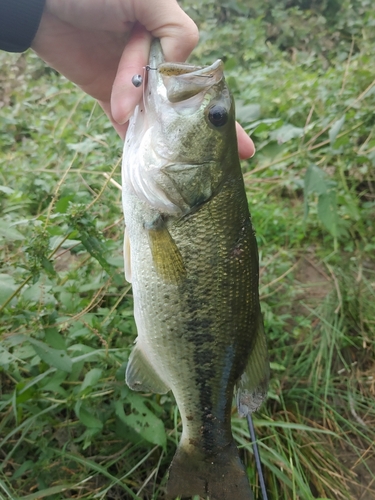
{"x":127,"y":261}
{"x":253,"y":384}
{"x":166,"y":256}
{"x":141,"y":376}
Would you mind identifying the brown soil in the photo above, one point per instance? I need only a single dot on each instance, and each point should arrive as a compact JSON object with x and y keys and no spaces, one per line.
{"x":312,"y":282}
{"x":365,"y":489}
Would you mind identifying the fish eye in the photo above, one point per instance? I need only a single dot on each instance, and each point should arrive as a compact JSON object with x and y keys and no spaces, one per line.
{"x":218,"y":115}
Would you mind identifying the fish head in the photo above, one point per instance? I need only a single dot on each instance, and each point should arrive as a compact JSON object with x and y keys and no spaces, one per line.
{"x":181,"y":137}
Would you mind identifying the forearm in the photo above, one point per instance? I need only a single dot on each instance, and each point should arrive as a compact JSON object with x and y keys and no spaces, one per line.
{"x":19,"y":22}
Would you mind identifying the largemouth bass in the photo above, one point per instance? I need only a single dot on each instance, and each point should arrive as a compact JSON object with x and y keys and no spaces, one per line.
{"x":192,"y":259}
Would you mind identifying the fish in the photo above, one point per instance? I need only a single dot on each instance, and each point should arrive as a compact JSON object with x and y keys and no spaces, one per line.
{"x":191,"y":256}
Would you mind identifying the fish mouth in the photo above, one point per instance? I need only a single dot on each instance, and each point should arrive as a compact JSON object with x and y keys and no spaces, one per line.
{"x":181,"y":81}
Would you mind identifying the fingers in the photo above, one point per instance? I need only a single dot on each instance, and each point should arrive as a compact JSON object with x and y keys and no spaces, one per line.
{"x":177,"y":31}
{"x":175,"y":48}
{"x":246,"y":148}
{"x":134,"y":58}
{"x":178,"y":35}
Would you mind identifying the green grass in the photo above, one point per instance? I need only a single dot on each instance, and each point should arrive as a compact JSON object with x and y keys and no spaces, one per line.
{"x":69,"y":427}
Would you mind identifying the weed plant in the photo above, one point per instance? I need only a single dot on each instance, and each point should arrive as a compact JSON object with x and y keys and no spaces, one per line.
{"x":303,"y":76}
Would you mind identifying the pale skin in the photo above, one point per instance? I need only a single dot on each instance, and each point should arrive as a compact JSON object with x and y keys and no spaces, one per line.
{"x":100,"y":44}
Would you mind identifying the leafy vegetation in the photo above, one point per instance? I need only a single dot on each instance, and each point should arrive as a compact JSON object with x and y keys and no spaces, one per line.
{"x":303,"y":76}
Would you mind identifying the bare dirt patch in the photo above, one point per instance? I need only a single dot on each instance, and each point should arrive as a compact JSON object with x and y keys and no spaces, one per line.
{"x":312,"y":282}
{"x":365,"y":487}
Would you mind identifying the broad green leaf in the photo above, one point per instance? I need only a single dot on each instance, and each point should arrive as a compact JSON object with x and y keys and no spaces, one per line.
{"x":7,"y":287}
{"x":261,"y":125}
{"x":59,"y":240}
{"x":84,"y":146}
{"x":9,"y":233}
{"x":6,"y":190}
{"x":53,"y":357}
{"x":94,"y":285}
{"x":142,"y":420}
{"x":48,"y":266}
{"x":38,"y":292}
{"x":38,"y":379}
{"x":54,"y":383}
{"x":24,"y":351}
{"x":22,"y":394}
{"x":91,"y":378}
{"x":286,"y":133}
{"x":27,"y":465}
{"x":272,"y":150}
{"x":116,"y":261}
{"x":87,"y":418}
{"x":54,"y":338}
{"x":327,"y":212}
{"x":6,"y":358}
{"x":246,"y":113}
{"x":63,"y":203}
{"x":315,"y":180}
{"x":96,"y":249}
{"x":335,"y":129}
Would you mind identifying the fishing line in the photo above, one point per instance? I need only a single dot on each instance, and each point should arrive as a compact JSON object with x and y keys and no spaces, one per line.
{"x":257,"y":456}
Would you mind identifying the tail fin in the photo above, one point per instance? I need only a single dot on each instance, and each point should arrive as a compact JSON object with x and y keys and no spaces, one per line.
{"x":221,"y":477}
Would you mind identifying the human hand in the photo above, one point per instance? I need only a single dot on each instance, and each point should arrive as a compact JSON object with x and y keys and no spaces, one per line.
{"x":99,"y":45}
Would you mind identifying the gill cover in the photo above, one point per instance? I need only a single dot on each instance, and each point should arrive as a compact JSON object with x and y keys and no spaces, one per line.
{"x":183,"y":105}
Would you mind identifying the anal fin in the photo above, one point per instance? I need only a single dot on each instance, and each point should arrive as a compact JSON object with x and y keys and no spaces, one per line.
{"x":253,"y":384}
{"x":141,"y":376}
